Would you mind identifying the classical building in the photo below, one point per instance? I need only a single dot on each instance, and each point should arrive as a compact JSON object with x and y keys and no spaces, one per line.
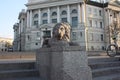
{"x":112,"y":19}
{"x":88,"y":20}
{"x":20,"y":32}
{"x":4,"y":42}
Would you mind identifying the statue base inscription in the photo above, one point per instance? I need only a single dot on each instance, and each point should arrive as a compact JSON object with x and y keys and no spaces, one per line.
{"x":63,"y":63}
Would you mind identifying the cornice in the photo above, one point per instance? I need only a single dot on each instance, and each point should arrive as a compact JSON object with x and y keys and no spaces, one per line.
{"x":114,"y":7}
{"x":51,"y":4}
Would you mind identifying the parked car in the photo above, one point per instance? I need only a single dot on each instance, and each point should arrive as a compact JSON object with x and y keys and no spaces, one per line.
{"x":10,"y":50}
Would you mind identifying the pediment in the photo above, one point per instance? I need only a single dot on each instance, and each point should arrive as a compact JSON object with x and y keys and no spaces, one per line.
{"x":115,"y":3}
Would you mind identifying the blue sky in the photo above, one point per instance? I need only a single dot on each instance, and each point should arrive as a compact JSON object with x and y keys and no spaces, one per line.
{"x":9,"y":11}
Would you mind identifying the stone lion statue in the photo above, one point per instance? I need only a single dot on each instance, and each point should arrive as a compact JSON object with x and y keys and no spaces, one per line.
{"x":61,"y":31}
{"x":60,"y":35}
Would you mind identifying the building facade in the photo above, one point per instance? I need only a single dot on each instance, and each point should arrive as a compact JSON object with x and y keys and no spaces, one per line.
{"x":20,"y":32}
{"x":88,"y":21}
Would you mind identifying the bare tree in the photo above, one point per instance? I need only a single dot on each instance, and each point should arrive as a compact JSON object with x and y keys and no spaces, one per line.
{"x":114,"y":30}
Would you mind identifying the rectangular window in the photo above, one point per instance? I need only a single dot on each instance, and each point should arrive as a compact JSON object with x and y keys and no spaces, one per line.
{"x":38,"y":34}
{"x":90,"y":23}
{"x":95,"y":12}
{"x":47,"y":34}
{"x":35,"y":23}
{"x":102,"y":37}
{"x":54,"y":20}
{"x":63,"y":19}
{"x":74,"y":21}
{"x":28,"y":37}
{"x":81,"y":34}
{"x":100,"y":13}
{"x":92,"y":47}
{"x":89,"y":10}
{"x":36,"y":43}
{"x":91,"y":36}
{"x":45,"y":21}
{"x":97,"y":37}
{"x":95,"y":23}
{"x":74,"y":35}
{"x":101,"y":25}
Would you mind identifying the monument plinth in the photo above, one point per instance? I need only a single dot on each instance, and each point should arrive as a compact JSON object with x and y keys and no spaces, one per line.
{"x":63,"y":63}
{"x":60,"y":59}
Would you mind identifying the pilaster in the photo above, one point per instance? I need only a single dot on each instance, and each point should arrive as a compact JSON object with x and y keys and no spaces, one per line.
{"x":58,"y":14}
{"x":79,"y":13}
{"x":68,"y":13}
{"x":48,"y":15}
{"x":39,"y":13}
{"x":83,"y":7}
{"x":30,"y":18}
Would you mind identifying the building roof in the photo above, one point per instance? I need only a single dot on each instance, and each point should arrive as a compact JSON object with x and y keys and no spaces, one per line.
{"x":97,"y":4}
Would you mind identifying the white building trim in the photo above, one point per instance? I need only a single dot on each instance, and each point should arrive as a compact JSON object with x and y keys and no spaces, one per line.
{"x":58,"y":14}
{"x":30,"y":18}
{"x":79,"y":13}
{"x":68,"y":13}
{"x":39,"y":14}
{"x":48,"y":15}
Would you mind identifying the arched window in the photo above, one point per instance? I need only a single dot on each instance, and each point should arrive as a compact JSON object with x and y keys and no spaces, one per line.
{"x":54,"y":14}
{"x":36,"y":16}
{"x":35,"y":20}
{"x":74,"y":11}
{"x":45,"y":14}
{"x":64,"y":12}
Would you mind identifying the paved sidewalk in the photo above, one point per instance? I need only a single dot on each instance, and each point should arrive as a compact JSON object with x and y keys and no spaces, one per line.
{"x":25,"y":60}
{"x":30,"y":78}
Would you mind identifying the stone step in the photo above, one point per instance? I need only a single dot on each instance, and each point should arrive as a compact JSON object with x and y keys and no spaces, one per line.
{"x":105,"y":71}
{"x":18,"y":73}
{"x":25,"y":78}
{"x":109,"y":77}
{"x":95,"y":59}
{"x":17,"y":66}
{"x":99,"y":65}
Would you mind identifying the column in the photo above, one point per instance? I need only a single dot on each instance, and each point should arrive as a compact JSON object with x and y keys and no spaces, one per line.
{"x":48,"y":15}
{"x":79,"y":15}
{"x":68,"y":13}
{"x":83,"y":13}
{"x":39,"y":19}
{"x":58,"y":14}
{"x":19,"y":27}
{"x":28,"y":19}
{"x":108,"y":11}
{"x":22,"y":25}
{"x":119,"y":18}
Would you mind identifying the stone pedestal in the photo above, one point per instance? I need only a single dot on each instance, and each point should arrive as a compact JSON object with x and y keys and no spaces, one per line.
{"x":63,"y":63}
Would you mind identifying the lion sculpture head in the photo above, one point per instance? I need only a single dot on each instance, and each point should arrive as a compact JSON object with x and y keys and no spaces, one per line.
{"x":61,"y":31}
{"x":60,"y":35}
